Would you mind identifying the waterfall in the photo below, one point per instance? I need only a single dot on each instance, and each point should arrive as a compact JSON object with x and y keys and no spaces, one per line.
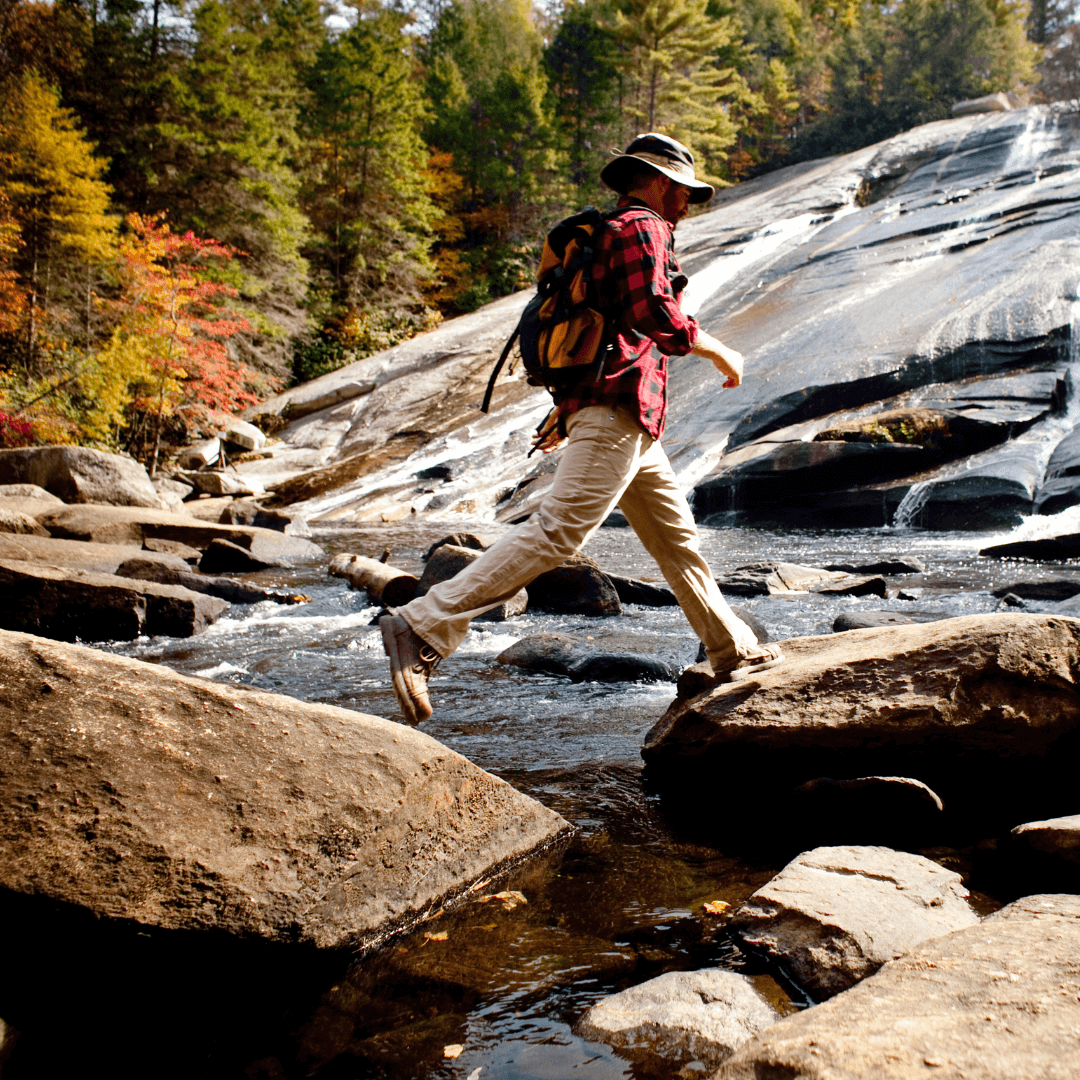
{"x":911,"y":504}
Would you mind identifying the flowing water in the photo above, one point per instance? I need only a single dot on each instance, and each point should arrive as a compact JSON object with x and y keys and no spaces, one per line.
{"x":622,"y":902}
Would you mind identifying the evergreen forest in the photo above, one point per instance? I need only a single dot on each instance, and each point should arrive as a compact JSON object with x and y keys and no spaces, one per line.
{"x":203,"y":201}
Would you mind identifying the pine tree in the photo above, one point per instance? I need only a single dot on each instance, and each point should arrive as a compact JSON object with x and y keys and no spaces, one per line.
{"x":675,"y":83}
{"x":366,"y":192}
{"x":225,"y":164}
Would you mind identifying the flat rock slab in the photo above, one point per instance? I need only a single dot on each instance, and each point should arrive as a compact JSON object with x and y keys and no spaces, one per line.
{"x":763,"y":579}
{"x":78,"y":474}
{"x":834,"y":915}
{"x":129,"y":525}
{"x":76,"y":604}
{"x":98,"y":558}
{"x":681,"y":1017}
{"x":998,"y":1001}
{"x":983,"y":709}
{"x":140,"y":794}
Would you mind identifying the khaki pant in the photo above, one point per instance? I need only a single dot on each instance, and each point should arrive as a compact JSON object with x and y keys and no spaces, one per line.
{"x":608,"y":461}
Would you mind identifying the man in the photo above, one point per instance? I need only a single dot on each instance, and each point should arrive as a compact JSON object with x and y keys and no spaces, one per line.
{"x":612,"y":456}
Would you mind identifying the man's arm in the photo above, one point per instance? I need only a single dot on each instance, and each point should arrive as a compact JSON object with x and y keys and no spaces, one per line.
{"x":727,"y":361}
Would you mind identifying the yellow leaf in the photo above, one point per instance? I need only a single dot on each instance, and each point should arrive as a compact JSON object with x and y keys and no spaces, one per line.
{"x":715,"y":907}
{"x":454,"y":1050}
{"x":442,"y":935}
{"x":509,"y":899}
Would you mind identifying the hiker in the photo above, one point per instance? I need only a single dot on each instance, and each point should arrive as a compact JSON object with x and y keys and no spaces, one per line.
{"x":609,"y":428}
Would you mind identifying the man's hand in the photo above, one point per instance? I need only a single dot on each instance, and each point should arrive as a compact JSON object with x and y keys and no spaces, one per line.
{"x":727,"y":361}
{"x":549,"y":436}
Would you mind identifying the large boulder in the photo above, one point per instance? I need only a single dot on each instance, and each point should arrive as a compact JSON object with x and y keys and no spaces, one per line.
{"x":682,"y":1019}
{"x":74,"y":604}
{"x":139,"y":794}
{"x":997,"y":1001}
{"x":835,"y":914}
{"x":77,"y":474}
{"x":984,"y":709}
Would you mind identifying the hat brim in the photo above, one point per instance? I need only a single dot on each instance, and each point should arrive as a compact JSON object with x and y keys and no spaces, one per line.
{"x":618,"y":172}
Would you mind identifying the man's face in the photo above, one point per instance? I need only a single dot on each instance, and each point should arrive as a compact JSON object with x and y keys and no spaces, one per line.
{"x":676,"y":202}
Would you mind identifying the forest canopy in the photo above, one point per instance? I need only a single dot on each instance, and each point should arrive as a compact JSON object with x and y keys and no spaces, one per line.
{"x":203,"y":200}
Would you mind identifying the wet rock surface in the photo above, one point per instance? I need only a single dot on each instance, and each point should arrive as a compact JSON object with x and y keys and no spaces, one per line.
{"x":762,"y":579}
{"x":611,"y":659}
{"x":997,"y":1001}
{"x":834,"y":915}
{"x":983,"y":709}
{"x":944,"y":405}
{"x":681,"y":1019}
{"x":143,"y":795}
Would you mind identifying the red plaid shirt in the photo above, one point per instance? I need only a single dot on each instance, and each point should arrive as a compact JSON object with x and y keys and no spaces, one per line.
{"x":637,"y":276}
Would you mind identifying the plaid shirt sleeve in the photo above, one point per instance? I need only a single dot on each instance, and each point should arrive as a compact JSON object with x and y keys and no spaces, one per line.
{"x":639,"y":259}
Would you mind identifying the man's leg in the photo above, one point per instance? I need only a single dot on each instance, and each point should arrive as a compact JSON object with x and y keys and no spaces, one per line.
{"x":656,"y":508}
{"x":595,"y":466}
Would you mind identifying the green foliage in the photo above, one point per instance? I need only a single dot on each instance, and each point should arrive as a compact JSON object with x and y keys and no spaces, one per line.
{"x":896,"y":68}
{"x":366,"y":192}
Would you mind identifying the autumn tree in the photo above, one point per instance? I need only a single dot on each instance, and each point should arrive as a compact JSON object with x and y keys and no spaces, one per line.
{"x":53,"y":183}
{"x":167,"y":359}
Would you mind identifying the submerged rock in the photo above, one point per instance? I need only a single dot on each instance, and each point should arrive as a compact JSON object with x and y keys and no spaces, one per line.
{"x":181,"y":803}
{"x":834,"y":915}
{"x":997,"y":1001}
{"x":983,"y":709}
{"x":682,"y":1018}
{"x":864,"y":620}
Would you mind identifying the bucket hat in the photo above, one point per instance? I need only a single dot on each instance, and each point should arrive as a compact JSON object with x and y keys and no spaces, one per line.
{"x":665,"y":155}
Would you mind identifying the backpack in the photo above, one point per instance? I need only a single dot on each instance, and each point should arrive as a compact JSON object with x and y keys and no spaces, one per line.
{"x":563,"y":332}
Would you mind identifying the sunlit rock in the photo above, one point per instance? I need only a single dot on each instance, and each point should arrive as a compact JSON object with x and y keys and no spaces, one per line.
{"x":997,"y":1001}
{"x":138,"y":794}
{"x":835,"y":914}
{"x":985,"y":710}
{"x":686,"y":1019}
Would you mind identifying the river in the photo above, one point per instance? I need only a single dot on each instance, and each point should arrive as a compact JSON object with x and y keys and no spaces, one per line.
{"x":621,"y":903}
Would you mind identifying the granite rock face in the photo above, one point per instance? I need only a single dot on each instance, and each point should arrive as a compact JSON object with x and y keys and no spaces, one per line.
{"x":943,"y":404}
{"x":834,"y":915}
{"x":139,"y":794}
{"x":997,"y":1001}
